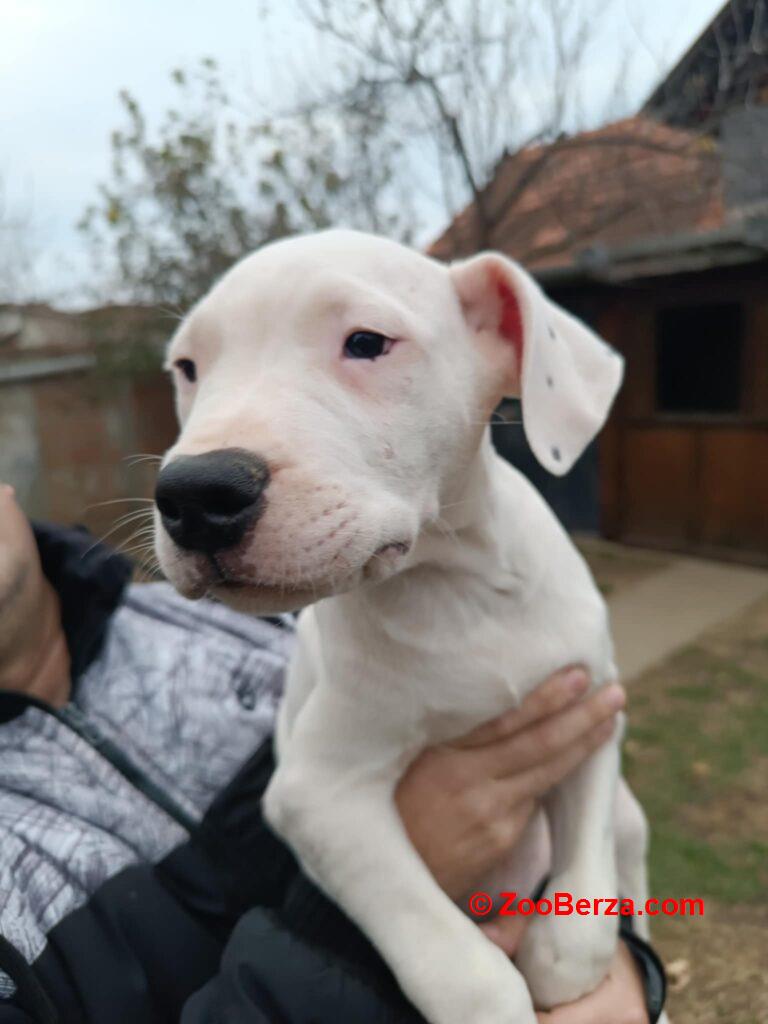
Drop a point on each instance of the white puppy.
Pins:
(334, 392)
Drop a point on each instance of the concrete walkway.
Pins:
(668, 609)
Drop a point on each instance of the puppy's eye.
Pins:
(188, 368)
(366, 345)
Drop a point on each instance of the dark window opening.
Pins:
(698, 358)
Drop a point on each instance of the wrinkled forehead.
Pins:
(377, 283)
(377, 262)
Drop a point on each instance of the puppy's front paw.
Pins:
(565, 958)
(467, 979)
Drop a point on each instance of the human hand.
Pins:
(466, 803)
(34, 658)
(17, 546)
(620, 999)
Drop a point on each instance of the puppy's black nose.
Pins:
(208, 501)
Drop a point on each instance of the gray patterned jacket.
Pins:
(187, 691)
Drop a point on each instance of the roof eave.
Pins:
(686, 252)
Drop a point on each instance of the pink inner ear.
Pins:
(511, 320)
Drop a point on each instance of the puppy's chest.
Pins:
(500, 662)
(464, 652)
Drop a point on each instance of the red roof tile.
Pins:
(633, 179)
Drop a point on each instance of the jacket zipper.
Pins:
(72, 717)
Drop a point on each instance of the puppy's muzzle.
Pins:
(207, 502)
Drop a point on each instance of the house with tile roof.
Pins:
(654, 230)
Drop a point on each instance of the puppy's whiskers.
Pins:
(130, 517)
(142, 457)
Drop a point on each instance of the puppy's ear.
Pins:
(565, 376)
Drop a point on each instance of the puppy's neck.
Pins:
(468, 497)
(467, 529)
(476, 536)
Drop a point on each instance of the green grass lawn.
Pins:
(697, 757)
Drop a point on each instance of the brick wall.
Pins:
(66, 444)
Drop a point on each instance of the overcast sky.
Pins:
(62, 63)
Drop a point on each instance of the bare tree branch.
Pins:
(19, 251)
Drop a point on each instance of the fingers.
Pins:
(505, 932)
(618, 1000)
(566, 735)
(554, 694)
(536, 781)
(599, 1007)
(545, 757)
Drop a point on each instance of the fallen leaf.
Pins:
(678, 974)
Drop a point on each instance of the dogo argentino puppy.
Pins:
(334, 392)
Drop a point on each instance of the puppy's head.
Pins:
(332, 391)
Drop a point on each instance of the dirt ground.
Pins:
(697, 756)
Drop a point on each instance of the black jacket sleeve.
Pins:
(30, 1004)
(304, 963)
(13, 1015)
(651, 969)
